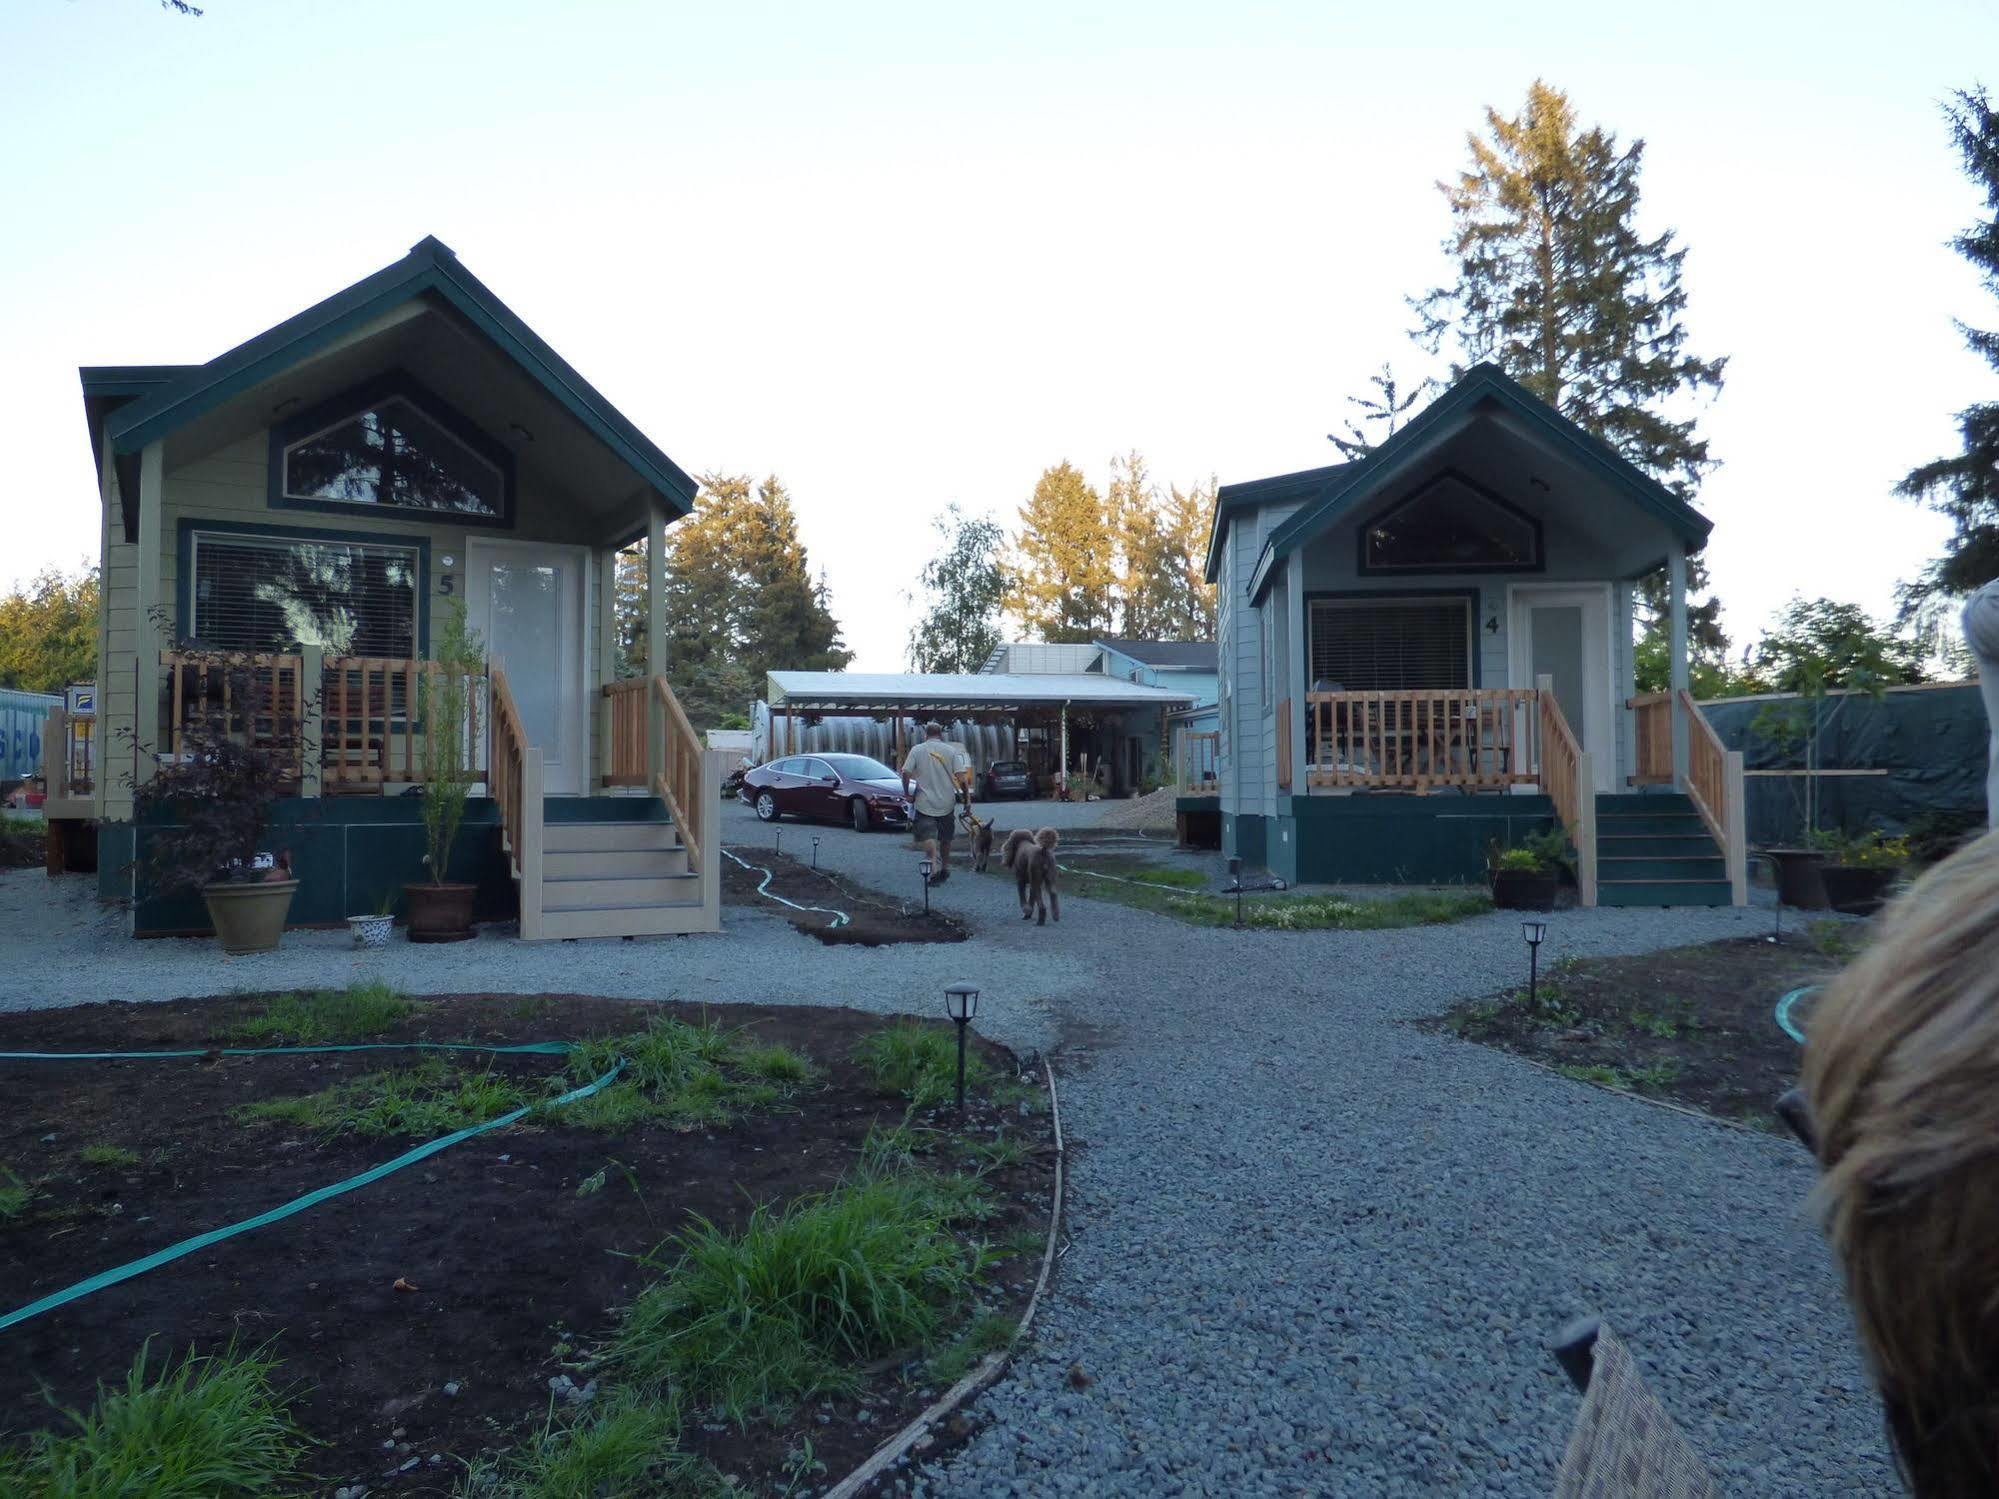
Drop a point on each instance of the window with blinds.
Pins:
(1388, 645)
(268, 593)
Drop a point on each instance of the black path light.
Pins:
(961, 1003)
(924, 869)
(1777, 905)
(777, 840)
(815, 850)
(1235, 884)
(1536, 932)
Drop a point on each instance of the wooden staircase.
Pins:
(1654, 849)
(624, 878)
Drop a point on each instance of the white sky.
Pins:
(904, 254)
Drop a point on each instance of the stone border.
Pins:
(989, 1368)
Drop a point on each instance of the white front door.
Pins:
(526, 600)
(1564, 633)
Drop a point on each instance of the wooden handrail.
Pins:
(678, 781)
(1196, 755)
(513, 780)
(1714, 786)
(1568, 776)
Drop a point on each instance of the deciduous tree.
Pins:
(966, 589)
(48, 631)
(1189, 514)
(1822, 644)
(1148, 570)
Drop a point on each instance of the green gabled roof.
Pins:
(1332, 491)
(1253, 492)
(430, 268)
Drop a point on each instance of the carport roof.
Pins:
(970, 692)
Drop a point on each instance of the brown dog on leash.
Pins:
(982, 843)
(1031, 857)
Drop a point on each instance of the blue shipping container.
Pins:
(22, 715)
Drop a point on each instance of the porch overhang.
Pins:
(1516, 445)
(426, 316)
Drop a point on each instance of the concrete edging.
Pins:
(990, 1367)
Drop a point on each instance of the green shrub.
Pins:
(918, 1062)
(322, 1017)
(208, 1428)
(108, 1157)
(427, 1100)
(624, 1446)
(15, 1195)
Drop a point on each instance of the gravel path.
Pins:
(1312, 1250)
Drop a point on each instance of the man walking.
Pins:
(932, 778)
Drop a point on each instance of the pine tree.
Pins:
(966, 588)
(1385, 410)
(1556, 286)
(1965, 486)
(1189, 514)
(48, 630)
(1147, 572)
(1062, 577)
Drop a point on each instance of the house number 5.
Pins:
(447, 584)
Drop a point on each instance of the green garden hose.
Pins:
(1784, 1011)
(173, 1252)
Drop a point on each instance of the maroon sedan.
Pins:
(855, 789)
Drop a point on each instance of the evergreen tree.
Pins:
(48, 631)
(1821, 644)
(1189, 515)
(1965, 486)
(1557, 287)
(1385, 409)
(1062, 577)
(1147, 572)
(966, 588)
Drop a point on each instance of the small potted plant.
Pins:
(440, 909)
(1859, 871)
(373, 929)
(1527, 876)
(203, 812)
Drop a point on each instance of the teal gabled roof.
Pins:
(430, 269)
(1331, 492)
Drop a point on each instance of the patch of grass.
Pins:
(624, 1445)
(775, 1063)
(998, 1153)
(919, 1062)
(320, 1017)
(989, 1332)
(1022, 1241)
(15, 1195)
(750, 1322)
(429, 1099)
(207, 1428)
(108, 1157)
(1650, 1079)
(1838, 940)
(1664, 1027)
(1138, 870)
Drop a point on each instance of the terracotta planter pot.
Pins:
(249, 916)
(1798, 877)
(1855, 890)
(1524, 889)
(440, 913)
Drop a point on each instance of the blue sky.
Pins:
(906, 254)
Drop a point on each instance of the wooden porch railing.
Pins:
(678, 782)
(69, 757)
(1652, 735)
(261, 698)
(513, 778)
(625, 735)
(1284, 743)
(1474, 737)
(1714, 786)
(1196, 754)
(1569, 778)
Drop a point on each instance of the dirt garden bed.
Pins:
(418, 1321)
(875, 919)
(1693, 1025)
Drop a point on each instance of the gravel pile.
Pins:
(1153, 810)
(1313, 1250)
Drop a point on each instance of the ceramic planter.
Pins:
(249, 915)
(440, 913)
(1798, 877)
(371, 931)
(1524, 889)
(1855, 889)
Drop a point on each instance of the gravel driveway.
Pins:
(1311, 1249)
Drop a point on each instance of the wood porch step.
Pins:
(626, 921)
(612, 863)
(627, 892)
(564, 837)
(1663, 893)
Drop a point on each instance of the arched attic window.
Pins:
(390, 446)
(1451, 525)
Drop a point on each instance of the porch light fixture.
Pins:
(961, 1003)
(924, 869)
(1536, 932)
(1235, 884)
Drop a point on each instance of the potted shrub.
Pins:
(214, 798)
(373, 929)
(440, 909)
(1859, 871)
(1527, 876)
(1800, 876)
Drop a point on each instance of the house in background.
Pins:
(313, 498)
(1181, 666)
(1429, 651)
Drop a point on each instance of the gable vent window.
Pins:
(1451, 525)
(392, 454)
(1390, 645)
(257, 593)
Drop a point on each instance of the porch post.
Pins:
(1676, 582)
(1300, 661)
(146, 697)
(655, 635)
(598, 718)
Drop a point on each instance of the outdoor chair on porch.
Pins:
(1624, 1445)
